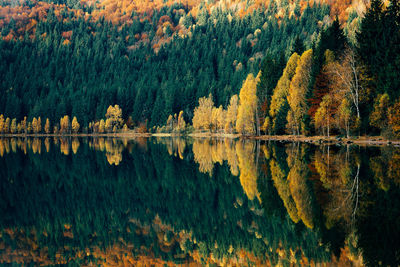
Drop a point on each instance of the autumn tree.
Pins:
(202, 114)
(324, 115)
(231, 114)
(75, 125)
(275, 123)
(322, 85)
(47, 126)
(39, 125)
(181, 126)
(29, 128)
(245, 123)
(343, 116)
(114, 115)
(24, 125)
(345, 78)
(297, 96)
(102, 126)
(394, 118)
(2, 123)
(65, 125)
(13, 127)
(218, 118)
(34, 125)
(6, 127)
(379, 116)
(108, 126)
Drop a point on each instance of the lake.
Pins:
(157, 201)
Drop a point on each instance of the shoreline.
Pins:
(319, 140)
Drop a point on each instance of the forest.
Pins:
(252, 68)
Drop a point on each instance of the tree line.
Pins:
(312, 80)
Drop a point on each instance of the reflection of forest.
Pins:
(167, 203)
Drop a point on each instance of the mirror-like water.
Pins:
(174, 201)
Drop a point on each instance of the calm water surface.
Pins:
(113, 202)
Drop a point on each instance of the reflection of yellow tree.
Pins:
(37, 145)
(175, 146)
(75, 145)
(248, 170)
(282, 186)
(336, 174)
(47, 144)
(386, 167)
(218, 152)
(209, 152)
(231, 157)
(113, 151)
(297, 178)
(13, 145)
(394, 166)
(2, 148)
(202, 155)
(64, 146)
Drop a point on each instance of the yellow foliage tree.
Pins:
(279, 105)
(29, 128)
(47, 126)
(343, 116)
(181, 122)
(217, 118)
(379, 116)
(24, 125)
(245, 122)
(102, 126)
(108, 125)
(75, 125)
(297, 94)
(34, 125)
(114, 114)
(6, 126)
(231, 114)
(13, 127)
(1, 123)
(324, 115)
(39, 125)
(64, 125)
(202, 114)
(394, 118)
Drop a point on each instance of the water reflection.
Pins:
(172, 201)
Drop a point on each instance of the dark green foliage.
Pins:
(379, 47)
(101, 67)
(271, 70)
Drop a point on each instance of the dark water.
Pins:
(89, 202)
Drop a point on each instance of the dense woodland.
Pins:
(278, 67)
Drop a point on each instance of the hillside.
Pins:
(156, 58)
